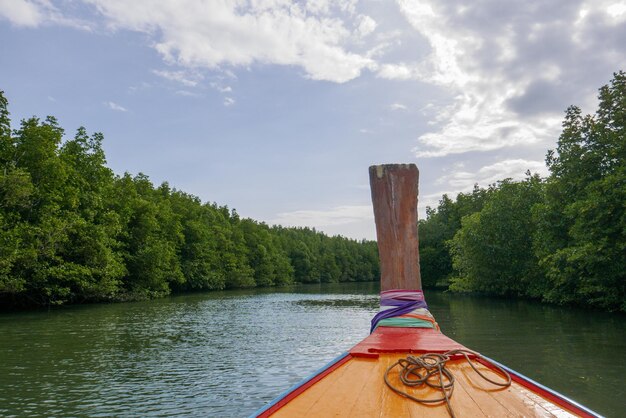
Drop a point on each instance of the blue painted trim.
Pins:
(547, 389)
(297, 385)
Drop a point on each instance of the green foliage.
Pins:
(71, 231)
(562, 240)
(317, 258)
(492, 251)
(439, 228)
(270, 262)
(581, 236)
(57, 244)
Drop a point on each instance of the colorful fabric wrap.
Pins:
(403, 308)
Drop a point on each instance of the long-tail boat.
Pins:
(407, 367)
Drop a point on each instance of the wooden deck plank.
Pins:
(555, 410)
(464, 402)
(493, 400)
(357, 389)
(460, 389)
(302, 405)
(416, 409)
(369, 399)
(362, 376)
(392, 404)
(332, 395)
(517, 399)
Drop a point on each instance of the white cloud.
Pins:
(186, 93)
(183, 77)
(483, 126)
(215, 34)
(512, 70)
(22, 12)
(34, 13)
(617, 10)
(365, 25)
(515, 169)
(461, 180)
(115, 106)
(508, 71)
(229, 101)
(397, 106)
(339, 215)
(399, 71)
(221, 88)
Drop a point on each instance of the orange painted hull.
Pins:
(353, 386)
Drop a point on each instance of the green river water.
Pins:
(229, 353)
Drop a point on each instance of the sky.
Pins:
(277, 108)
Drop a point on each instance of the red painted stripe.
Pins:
(404, 340)
(302, 388)
(563, 403)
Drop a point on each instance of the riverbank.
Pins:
(372, 286)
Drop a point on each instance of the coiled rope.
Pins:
(430, 369)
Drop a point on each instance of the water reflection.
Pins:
(362, 303)
(228, 353)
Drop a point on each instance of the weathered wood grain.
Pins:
(394, 197)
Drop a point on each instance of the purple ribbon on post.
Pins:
(404, 301)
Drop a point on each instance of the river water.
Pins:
(229, 353)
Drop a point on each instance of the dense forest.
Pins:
(561, 239)
(72, 231)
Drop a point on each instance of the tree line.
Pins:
(561, 239)
(72, 231)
